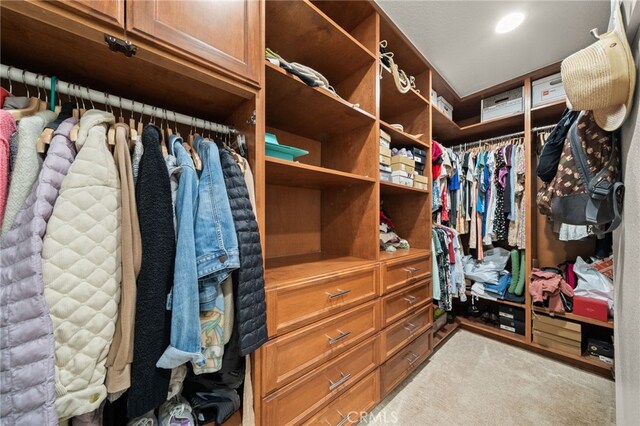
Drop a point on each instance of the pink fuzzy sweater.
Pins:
(7, 127)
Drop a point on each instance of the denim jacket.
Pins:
(185, 343)
(217, 253)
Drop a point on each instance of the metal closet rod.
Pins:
(498, 138)
(14, 74)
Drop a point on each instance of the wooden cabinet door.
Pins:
(109, 11)
(223, 33)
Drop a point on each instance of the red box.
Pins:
(592, 308)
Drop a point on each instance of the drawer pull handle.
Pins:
(338, 294)
(413, 359)
(411, 299)
(339, 337)
(410, 327)
(343, 378)
(343, 421)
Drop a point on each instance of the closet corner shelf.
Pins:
(574, 317)
(501, 301)
(548, 113)
(480, 327)
(290, 173)
(301, 267)
(447, 131)
(389, 188)
(392, 102)
(308, 111)
(301, 32)
(400, 253)
(444, 333)
(402, 139)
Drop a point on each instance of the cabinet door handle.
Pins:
(339, 337)
(411, 299)
(338, 294)
(413, 359)
(410, 327)
(343, 378)
(343, 421)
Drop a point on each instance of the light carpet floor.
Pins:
(474, 380)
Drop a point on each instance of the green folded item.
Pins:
(438, 313)
(515, 270)
(520, 287)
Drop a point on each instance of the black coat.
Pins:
(149, 385)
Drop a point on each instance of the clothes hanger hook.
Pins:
(120, 105)
(175, 121)
(9, 78)
(141, 111)
(89, 98)
(44, 87)
(24, 81)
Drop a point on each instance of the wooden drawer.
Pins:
(301, 398)
(352, 406)
(399, 304)
(288, 357)
(297, 304)
(399, 366)
(398, 274)
(402, 332)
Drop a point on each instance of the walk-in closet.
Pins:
(319, 212)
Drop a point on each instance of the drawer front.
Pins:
(290, 356)
(399, 334)
(299, 304)
(398, 274)
(352, 406)
(404, 362)
(301, 398)
(399, 304)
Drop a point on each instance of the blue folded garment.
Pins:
(499, 289)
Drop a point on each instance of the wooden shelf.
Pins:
(548, 114)
(389, 188)
(393, 103)
(402, 139)
(308, 111)
(289, 173)
(574, 317)
(447, 131)
(300, 32)
(444, 333)
(584, 358)
(288, 269)
(501, 301)
(400, 253)
(479, 326)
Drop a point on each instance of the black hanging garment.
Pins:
(150, 385)
(552, 149)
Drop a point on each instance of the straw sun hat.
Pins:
(602, 76)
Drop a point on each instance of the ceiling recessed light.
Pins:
(509, 22)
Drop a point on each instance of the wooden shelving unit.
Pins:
(490, 330)
(447, 132)
(403, 139)
(501, 301)
(548, 114)
(444, 333)
(574, 317)
(594, 363)
(400, 253)
(390, 188)
(289, 173)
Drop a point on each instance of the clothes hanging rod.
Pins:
(14, 74)
(542, 128)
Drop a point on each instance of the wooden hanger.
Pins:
(133, 133)
(34, 104)
(111, 131)
(163, 145)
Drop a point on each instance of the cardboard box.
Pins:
(419, 185)
(514, 326)
(385, 139)
(402, 163)
(445, 107)
(386, 152)
(557, 327)
(503, 104)
(385, 168)
(549, 343)
(402, 178)
(402, 167)
(591, 308)
(384, 160)
(559, 339)
(385, 176)
(511, 312)
(547, 90)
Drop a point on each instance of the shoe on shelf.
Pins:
(148, 419)
(176, 412)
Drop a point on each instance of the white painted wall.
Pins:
(627, 254)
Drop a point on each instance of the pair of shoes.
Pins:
(176, 412)
(148, 419)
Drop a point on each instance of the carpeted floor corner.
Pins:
(474, 380)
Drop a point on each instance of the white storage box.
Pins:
(402, 178)
(503, 105)
(385, 176)
(385, 139)
(445, 107)
(547, 90)
(434, 97)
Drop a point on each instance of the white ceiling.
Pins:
(458, 37)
